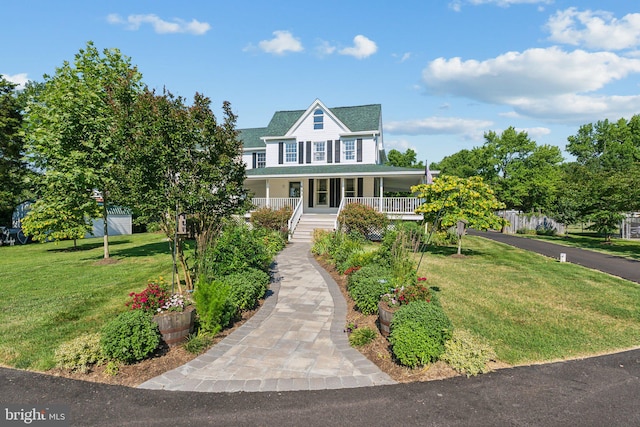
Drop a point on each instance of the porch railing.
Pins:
(276, 202)
(388, 205)
(295, 217)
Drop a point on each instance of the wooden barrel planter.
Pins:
(175, 326)
(385, 315)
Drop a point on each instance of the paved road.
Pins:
(601, 391)
(622, 267)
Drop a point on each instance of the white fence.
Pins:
(519, 221)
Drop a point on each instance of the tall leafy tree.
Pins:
(451, 199)
(408, 159)
(79, 122)
(13, 169)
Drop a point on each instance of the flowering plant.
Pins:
(405, 294)
(156, 298)
(350, 270)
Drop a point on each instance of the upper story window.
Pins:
(349, 149)
(319, 152)
(318, 119)
(261, 160)
(291, 152)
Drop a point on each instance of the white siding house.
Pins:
(321, 156)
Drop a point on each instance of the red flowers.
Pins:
(151, 299)
(350, 270)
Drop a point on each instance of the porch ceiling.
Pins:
(337, 171)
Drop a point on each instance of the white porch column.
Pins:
(341, 188)
(381, 193)
(267, 194)
(302, 193)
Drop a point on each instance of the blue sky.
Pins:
(444, 71)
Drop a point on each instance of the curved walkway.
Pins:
(294, 342)
(625, 268)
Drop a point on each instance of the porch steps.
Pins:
(309, 222)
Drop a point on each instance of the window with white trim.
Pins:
(349, 149)
(319, 151)
(318, 119)
(349, 187)
(291, 152)
(261, 160)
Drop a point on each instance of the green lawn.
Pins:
(619, 247)
(52, 293)
(531, 308)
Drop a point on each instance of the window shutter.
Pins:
(300, 152)
(308, 151)
(255, 160)
(329, 152)
(360, 187)
(336, 158)
(311, 192)
(280, 153)
(359, 152)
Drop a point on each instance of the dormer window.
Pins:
(318, 119)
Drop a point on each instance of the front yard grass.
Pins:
(531, 308)
(52, 293)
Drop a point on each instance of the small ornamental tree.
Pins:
(451, 199)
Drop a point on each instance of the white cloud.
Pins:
(325, 48)
(536, 82)
(282, 43)
(467, 128)
(19, 79)
(535, 132)
(362, 48)
(160, 26)
(594, 29)
(399, 144)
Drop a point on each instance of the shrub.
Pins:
(546, 230)
(367, 285)
(235, 249)
(361, 219)
(395, 249)
(466, 354)
(413, 232)
(214, 305)
(525, 231)
(362, 336)
(80, 354)
(130, 337)
(273, 241)
(272, 219)
(247, 287)
(419, 331)
(341, 248)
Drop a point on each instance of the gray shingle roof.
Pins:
(251, 137)
(358, 119)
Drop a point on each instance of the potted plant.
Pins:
(396, 297)
(173, 313)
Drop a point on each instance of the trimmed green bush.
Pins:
(214, 305)
(80, 354)
(419, 331)
(367, 285)
(362, 336)
(247, 287)
(362, 219)
(467, 354)
(341, 248)
(130, 337)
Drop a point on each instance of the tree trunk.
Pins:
(105, 238)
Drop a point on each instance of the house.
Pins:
(317, 160)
